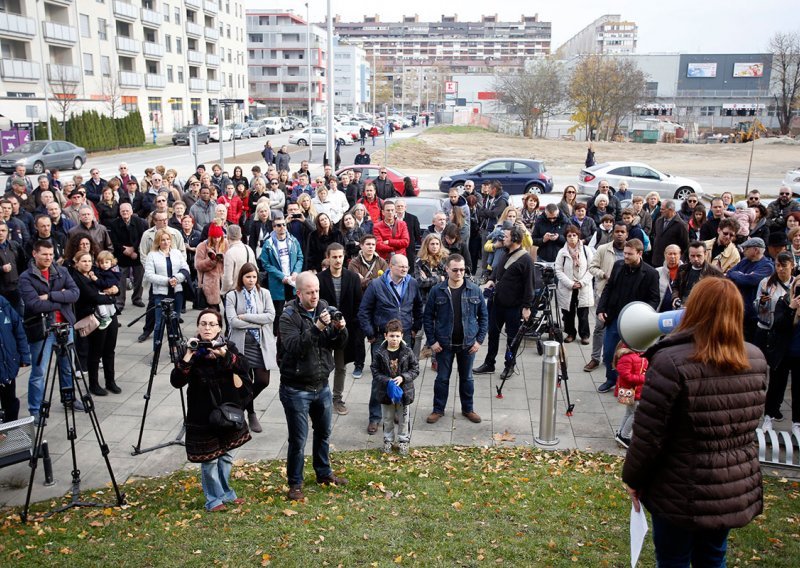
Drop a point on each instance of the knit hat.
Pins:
(754, 242)
(215, 232)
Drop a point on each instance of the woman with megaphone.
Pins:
(693, 458)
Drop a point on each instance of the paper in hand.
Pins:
(638, 531)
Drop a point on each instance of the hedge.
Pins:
(96, 132)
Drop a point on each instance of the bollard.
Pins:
(547, 410)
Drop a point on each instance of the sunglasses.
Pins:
(728, 234)
(279, 224)
(691, 201)
(383, 173)
(784, 194)
(458, 270)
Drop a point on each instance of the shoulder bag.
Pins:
(85, 326)
(226, 416)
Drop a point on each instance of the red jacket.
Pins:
(397, 244)
(235, 207)
(374, 208)
(631, 367)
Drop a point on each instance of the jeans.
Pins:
(298, 406)
(610, 340)
(214, 477)
(678, 547)
(157, 298)
(626, 426)
(499, 317)
(390, 411)
(40, 357)
(339, 373)
(597, 338)
(374, 401)
(466, 386)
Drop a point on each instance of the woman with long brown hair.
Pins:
(693, 458)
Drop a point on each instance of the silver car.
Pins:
(641, 179)
(792, 181)
(41, 155)
(257, 128)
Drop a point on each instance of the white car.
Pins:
(213, 133)
(792, 180)
(318, 136)
(641, 179)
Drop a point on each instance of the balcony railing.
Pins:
(130, 79)
(194, 57)
(19, 70)
(212, 60)
(196, 84)
(62, 2)
(17, 26)
(196, 4)
(214, 86)
(125, 11)
(63, 74)
(212, 34)
(211, 7)
(153, 81)
(128, 45)
(59, 33)
(702, 93)
(151, 17)
(193, 29)
(151, 49)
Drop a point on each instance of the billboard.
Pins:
(701, 70)
(748, 69)
(450, 87)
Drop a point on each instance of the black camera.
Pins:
(197, 344)
(336, 315)
(296, 216)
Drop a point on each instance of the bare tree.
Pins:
(534, 95)
(785, 48)
(112, 94)
(64, 88)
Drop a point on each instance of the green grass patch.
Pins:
(454, 130)
(448, 506)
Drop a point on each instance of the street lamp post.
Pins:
(330, 148)
(45, 58)
(308, 72)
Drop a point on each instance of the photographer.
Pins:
(216, 373)
(309, 336)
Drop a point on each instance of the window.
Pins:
(84, 20)
(88, 64)
(102, 32)
(707, 111)
(177, 15)
(105, 65)
(180, 75)
(179, 45)
(170, 77)
(228, 30)
(166, 9)
(177, 104)
(168, 43)
(130, 104)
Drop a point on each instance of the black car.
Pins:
(182, 135)
(517, 175)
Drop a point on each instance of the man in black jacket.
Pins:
(308, 338)
(384, 187)
(669, 229)
(12, 264)
(44, 232)
(362, 158)
(548, 233)
(126, 235)
(631, 280)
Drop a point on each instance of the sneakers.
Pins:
(767, 424)
(433, 418)
(484, 369)
(387, 446)
(358, 372)
(340, 407)
(332, 480)
(622, 441)
(607, 386)
(403, 448)
(472, 416)
(296, 493)
(591, 366)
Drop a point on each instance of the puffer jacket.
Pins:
(14, 349)
(693, 455)
(408, 368)
(631, 367)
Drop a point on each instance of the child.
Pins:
(746, 217)
(493, 246)
(394, 361)
(605, 232)
(104, 277)
(631, 367)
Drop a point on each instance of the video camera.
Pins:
(544, 273)
(336, 315)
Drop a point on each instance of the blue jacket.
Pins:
(438, 315)
(61, 292)
(747, 275)
(14, 349)
(272, 264)
(379, 305)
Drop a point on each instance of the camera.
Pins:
(296, 216)
(547, 271)
(197, 344)
(336, 315)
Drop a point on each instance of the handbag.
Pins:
(35, 327)
(85, 326)
(226, 416)
(626, 396)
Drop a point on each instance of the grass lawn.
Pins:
(448, 506)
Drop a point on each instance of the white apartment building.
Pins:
(607, 35)
(171, 60)
(351, 79)
(280, 45)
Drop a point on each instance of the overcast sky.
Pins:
(685, 26)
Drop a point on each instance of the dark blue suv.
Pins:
(517, 176)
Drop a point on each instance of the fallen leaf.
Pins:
(289, 512)
(506, 436)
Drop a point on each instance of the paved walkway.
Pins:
(514, 418)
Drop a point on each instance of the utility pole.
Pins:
(308, 72)
(330, 148)
(45, 58)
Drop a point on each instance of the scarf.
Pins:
(575, 254)
(250, 308)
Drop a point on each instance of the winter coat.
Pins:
(368, 270)
(566, 275)
(628, 284)
(380, 304)
(747, 275)
(155, 271)
(397, 243)
(11, 253)
(282, 160)
(374, 208)
(209, 273)
(547, 251)
(60, 289)
(693, 455)
(428, 276)
(127, 235)
(631, 368)
(681, 281)
(317, 247)
(98, 233)
(262, 320)
(90, 295)
(349, 300)
(235, 207)
(271, 262)
(202, 212)
(407, 367)
(237, 255)
(725, 260)
(14, 349)
(601, 265)
(675, 233)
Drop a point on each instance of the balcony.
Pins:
(130, 79)
(17, 27)
(59, 33)
(196, 4)
(128, 45)
(153, 81)
(194, 30)
(59, 74)
(61, 2)
(212, 60)
(151, 17)
(214, 86)
(194, 57)
(19, 70)
(151, 49)
(196, 84)
(211, 7)
(125, 11)
(212, 34)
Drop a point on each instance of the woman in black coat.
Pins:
(214, 375)
(317, 242)
(101, 343)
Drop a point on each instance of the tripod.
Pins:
(63, 347)
(170, 322)
(545, 319)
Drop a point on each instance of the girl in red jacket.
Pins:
(631, 367)
(234, 203)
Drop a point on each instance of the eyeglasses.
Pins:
(784, 194)
(274, 183)
(161, 200)
(728, 234)
(691, 201)
(458, 270)
(208, 324)
(383, 173)
(568, 192)
(752, 198)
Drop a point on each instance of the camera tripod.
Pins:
(545, 319)
(63, 347)
(169, 322)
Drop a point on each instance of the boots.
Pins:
(96, 389)
(113, 387)
(252, 420)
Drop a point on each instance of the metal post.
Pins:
(221, 124)
(45, 58)
(547, 409)
(308, 70)
(330, 145)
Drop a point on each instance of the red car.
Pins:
(370, 173)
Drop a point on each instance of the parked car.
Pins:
(516, 174)
(240, 130)
(792, 180)
(641, 179)
(273, 124)
(370, 173)
(257, 128)
(181, 135)
(213, 133)
(318, 136)
(296, 122)
(40, 155)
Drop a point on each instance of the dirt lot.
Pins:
(442, 151)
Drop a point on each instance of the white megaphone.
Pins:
(640, 326)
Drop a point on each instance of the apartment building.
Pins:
(170, 60)
(607, 35)
(351, 79)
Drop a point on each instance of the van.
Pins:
(274, 125)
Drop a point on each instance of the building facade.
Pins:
(170, 60)
(607, 35)
(351, 79)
